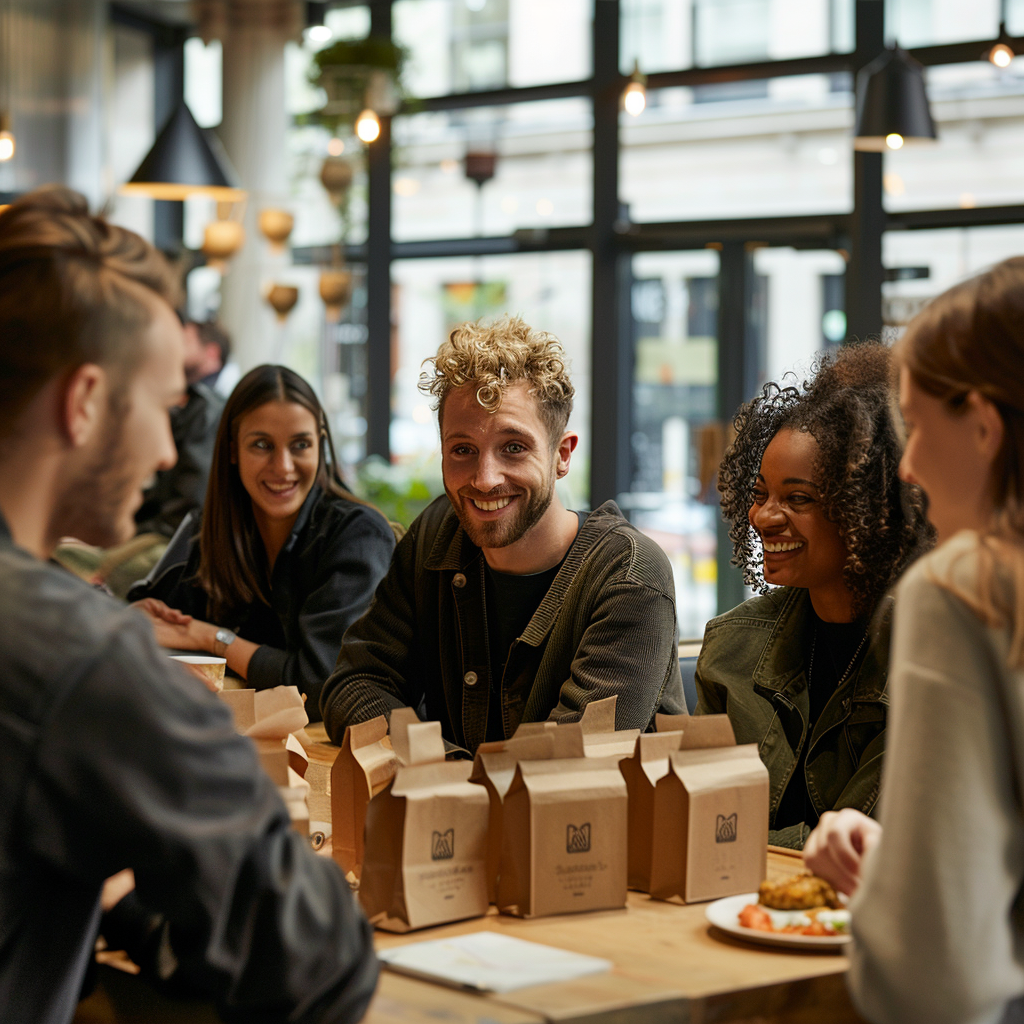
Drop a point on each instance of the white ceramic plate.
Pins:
(724, 914)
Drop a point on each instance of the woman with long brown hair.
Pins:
(285, 557)
(939, 935)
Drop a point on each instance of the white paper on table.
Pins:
(490, 962)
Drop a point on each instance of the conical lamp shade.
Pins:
(891, 100)
(185, 161)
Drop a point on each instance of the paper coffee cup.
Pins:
(205, 667)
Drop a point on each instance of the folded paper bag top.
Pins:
(564, 842)
(415, 742)
(600, 737)
(649, 763)
(426, 843)
(366, 764)
(494, 767)
(698, 812)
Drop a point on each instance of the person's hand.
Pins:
(115, 888)
(836, 849)
(158, 611)
(177, 636)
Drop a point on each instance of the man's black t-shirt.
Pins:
(511, 601)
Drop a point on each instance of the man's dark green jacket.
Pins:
(751, 667)
(607, 626)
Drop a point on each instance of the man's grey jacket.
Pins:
(606, 626)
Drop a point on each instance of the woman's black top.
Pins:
(323, 580)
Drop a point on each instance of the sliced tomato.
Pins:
(753, 916)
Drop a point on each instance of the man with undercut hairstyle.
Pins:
(501, 606)
(115, 764)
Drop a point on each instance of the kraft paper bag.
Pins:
(600, 737)
(426, 848)
(269, 717)
(243, 707)
(494, 767)
(279, 711)
(564, 845)
(725, 805)
(676, 723)
(710, 826)
(366, 764)
(649, 763)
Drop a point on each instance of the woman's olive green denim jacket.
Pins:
(751, 667)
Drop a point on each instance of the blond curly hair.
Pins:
(495, 356)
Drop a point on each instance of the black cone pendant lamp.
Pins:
(892, 104)
(185, 161)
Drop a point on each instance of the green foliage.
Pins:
(401, 492)
(368, 53)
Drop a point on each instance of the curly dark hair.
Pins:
(846, 406)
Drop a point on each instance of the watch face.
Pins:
(224, 636)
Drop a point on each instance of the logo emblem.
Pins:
(442, 846)
(577, 840)
(725, 829)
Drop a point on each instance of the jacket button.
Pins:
(459, 580)
(470, 678)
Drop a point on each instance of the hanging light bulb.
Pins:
(368, 125)
(892, 104)
(7, 143)
(317, 31)
(634, 99)
(1001, 54)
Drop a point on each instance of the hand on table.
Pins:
(836, 849)
(158, 611)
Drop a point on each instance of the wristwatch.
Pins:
(223, 638)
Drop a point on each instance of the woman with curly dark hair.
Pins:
(822, 526)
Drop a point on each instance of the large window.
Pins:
(540, 175)
(692, 153)
(675, 432)
(979, 157)
(471, 45)
(669, 35)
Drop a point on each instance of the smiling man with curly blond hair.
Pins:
(503, 606)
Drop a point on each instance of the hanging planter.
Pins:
(221, 240)
(335, 290)
(276, 226)
(282, 297)
(356, 74)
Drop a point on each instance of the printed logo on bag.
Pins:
(577, 840)
(725, 829)
(442, 846)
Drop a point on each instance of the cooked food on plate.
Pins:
(799, 892)
(801, 905)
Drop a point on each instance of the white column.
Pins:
(254, 133)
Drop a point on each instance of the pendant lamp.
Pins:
(185, 161)
(892, 104)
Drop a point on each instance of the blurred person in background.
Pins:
(939, 880)
(822, 526)
(114, 762)
(181, 489)
(284, 557)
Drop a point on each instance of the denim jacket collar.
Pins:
(782, 662)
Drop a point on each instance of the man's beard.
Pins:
(507, 530)
(92, 507)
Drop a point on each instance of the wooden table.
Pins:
(669, 966)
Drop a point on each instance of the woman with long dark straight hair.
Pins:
(285, 557)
